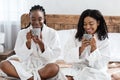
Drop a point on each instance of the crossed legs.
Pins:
(49, 71)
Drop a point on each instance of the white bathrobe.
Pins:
(31, 60)
(88, 66)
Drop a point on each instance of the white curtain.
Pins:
(10, 12)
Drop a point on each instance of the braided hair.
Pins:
(38, 7)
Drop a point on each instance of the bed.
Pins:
(68, 22)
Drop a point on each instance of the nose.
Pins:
(36, 22)
(87, 26)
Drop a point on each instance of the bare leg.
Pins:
(49, 71)
(69, 77)
(30, 78)
(116, 76)
(8, 68)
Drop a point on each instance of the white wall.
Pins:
(107, 7)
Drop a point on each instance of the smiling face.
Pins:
(90, 25)
(37, 18)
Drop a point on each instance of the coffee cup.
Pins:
(87, 36)
(36, 31)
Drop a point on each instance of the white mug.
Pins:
(87, 36)
(36, 31)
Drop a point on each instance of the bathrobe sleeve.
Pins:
(52, 45)
(21, 49)
(100, 57)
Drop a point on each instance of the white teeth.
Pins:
(89, 31)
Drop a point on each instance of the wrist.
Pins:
(81, 50)
(93, 48)
(41, 45)
(28, 44)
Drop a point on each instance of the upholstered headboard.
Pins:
(62, 22)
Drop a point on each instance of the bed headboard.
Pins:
(62, 22)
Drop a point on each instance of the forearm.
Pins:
(93, 48)
(81, 49)
(41, 45)
(28, 44)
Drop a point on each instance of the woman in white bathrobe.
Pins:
(35, 51)
(90, 43)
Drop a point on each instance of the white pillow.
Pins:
(115, 46)
(2, 37)
(1, 48)
(2, 40)
(64, 35)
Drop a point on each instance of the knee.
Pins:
(50, 70)
(115, 76)
(54, 68)
(69, 77)
(3, 64)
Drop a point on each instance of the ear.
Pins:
(98, 23)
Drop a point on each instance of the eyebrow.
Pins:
(38, 17)
(89, 21)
